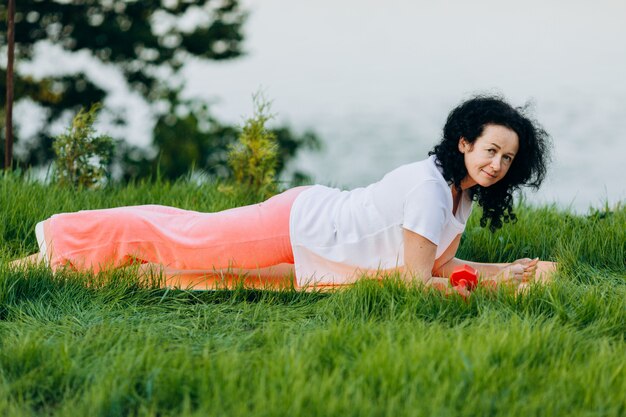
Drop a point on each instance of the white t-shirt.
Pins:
(335, 233)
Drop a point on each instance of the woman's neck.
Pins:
(456, 198)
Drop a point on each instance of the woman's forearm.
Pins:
(439, 283)
(485, 270)
(521, 270)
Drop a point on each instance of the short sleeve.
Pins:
(425, 210)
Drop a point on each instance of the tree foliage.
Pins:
(148, 41)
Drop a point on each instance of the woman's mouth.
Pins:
(488, 174)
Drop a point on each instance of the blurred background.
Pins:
(358, 87)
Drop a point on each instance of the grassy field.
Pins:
(106, 346)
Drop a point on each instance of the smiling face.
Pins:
(489, 158)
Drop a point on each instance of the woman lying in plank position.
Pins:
(409, 222)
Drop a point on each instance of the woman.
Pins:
(409, 222)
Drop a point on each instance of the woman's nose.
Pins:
(495, 163)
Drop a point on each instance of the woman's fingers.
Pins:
(529, 269)
(520, 270)
(447, 290)
(462, 291)
(516, 272)
(522, 261)
(526, 261)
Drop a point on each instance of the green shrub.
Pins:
(254, 157)
(82, 156)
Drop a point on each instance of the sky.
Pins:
(337, 53)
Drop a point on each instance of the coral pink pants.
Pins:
(249, 237)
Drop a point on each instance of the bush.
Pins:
(254, 157)
(82, 156)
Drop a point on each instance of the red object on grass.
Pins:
(464, 275)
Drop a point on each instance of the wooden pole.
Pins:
(8, 148)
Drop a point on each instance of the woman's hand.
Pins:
(442, 285)
(521, 270)
(530, 268)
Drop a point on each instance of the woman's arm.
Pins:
(524, 269)
(419, 257)
(419, 262)
(445, 264)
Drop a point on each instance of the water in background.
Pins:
(589, 147)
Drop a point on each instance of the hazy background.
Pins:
(376, 80)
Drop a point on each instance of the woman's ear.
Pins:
(464, 146)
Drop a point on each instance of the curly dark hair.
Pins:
(529, 165)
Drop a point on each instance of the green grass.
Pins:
(69, 347)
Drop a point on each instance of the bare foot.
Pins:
(28, 261)
(543, 275)
(545, 271)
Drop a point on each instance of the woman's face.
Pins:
(489, 158)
